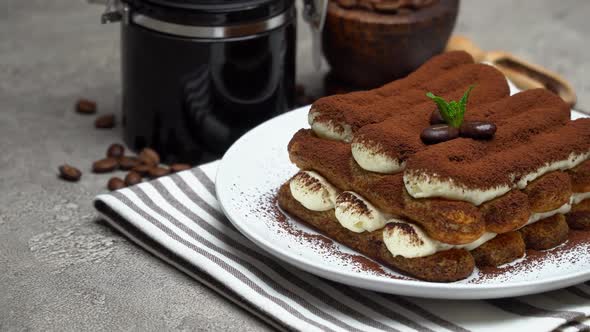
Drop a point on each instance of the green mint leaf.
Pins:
(453, 112)
(456, 114)
(463, 100)
(443, 106)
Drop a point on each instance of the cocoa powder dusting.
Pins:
(355, 204)
(408, 230)
(309, 181)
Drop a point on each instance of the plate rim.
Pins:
(489, 291)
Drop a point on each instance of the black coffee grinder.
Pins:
(197, 74)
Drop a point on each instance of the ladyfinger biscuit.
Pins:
(502, 249)
(579, 216)
(545, 234)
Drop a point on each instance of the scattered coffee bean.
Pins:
(436, 117)
(69, 173)
(179, 167)
(106, 121)
(157, 172)
(477, 129)
(143, 169)
(105, 165)
(115, 183)
(439, 133)
(85, 106)
(116, 151)
(132, 178)
(149, 157)
(126, 163)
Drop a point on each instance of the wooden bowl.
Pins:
(368, 48)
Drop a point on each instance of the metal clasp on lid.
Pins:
(115, 11)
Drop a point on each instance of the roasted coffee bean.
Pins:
(105, 165)
(126, 163)
(115, 183)
(85, 106)
(132, 178)
(116, 151)
(436, 117)
(439, 133)
(179, 167)
(69, 173)
(477, 129)
(143, 169)
(106, 121)
(149, 157)
(157, 172)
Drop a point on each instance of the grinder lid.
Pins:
(210, 12)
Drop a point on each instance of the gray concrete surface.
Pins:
(63, 269)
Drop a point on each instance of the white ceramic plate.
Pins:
(257, 164)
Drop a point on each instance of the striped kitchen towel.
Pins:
(178, 219)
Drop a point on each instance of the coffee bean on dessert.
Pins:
(116, 150)
(149, 157)
(439, 133)
(106, 121)
(85, 106)
(105, 165)
(115, 183)
(477, 129)
(132, 178)
(126, 163)
(179, 167)
(157, 172)
(142, 169)
(436, 117)
(69, 173)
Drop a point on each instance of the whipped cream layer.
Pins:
(423, 185)
(357, 214)
(565, 208)
(561, 165)
(374, 160)
(329, 129)
(313, 191)
(408, 240)
(577, 198)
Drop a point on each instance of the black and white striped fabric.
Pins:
(178, 219)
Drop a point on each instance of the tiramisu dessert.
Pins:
(442, 171)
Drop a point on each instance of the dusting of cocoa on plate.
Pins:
(578, 243)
